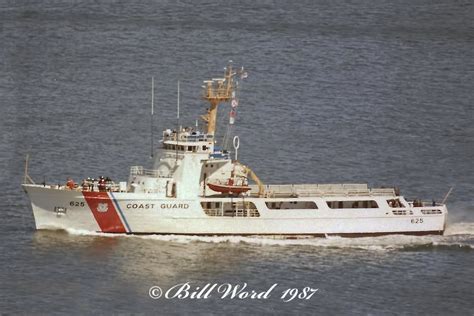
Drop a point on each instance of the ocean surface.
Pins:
(378, 92)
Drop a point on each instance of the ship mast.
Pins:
(216, 91)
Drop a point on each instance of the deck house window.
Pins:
(352, 204)
(292, 205)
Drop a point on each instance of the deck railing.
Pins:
(140, 171)
(294, 190)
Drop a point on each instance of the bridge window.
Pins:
(292, 205)
(352, 204)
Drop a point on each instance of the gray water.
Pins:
(338, 91)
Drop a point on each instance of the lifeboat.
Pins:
(228, 187)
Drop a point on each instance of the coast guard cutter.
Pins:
(195, 187)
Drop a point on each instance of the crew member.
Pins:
(90, 184)
(101, 184)
(108, 184)
(85, 185)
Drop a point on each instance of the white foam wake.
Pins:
(457, 235)
(83, 232)
(384, 243)
(462, 228)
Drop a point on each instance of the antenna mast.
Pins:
(152, 112)
(216, 91)
(232, 116)
(177, 124)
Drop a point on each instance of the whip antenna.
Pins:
(152, 112)
(447, 195)
(177, 125)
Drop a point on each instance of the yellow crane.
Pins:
(249, 172)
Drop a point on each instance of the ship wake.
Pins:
(458, 236)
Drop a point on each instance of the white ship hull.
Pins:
(142, 213)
